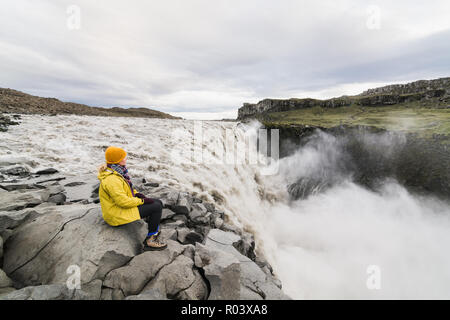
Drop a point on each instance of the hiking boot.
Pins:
(152, 243)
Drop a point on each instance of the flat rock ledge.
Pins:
(55, 245)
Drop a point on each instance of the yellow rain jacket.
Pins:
(117, 202)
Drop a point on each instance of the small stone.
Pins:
(218, 222)
(209, 206)
(74, 184)
(47, 171)
(17, 171)
(187, 236)
(167, 214)
(59, 198)
(151, 184)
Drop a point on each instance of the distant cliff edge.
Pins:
(422, 93)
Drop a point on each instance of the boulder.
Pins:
(20, 186)
(251, 276)
(74, 184)
(183, 205)
(170, 200)
(16, 171)
(180, 217)
(132, 278)
(59, 198)
(40, 251)
(47, 171)
(20, 199)
(246, 245)
(222, 271)
(217, 223)
(209, 206)
(12, 219)
(167, 214)
(199, 214)
(174, 224)
(198, 290)
(187, 236)
(151, 184)
(176, 280)
(1, 246)
(167, 234)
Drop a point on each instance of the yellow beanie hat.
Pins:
(114, 154)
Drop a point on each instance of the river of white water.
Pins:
(343, 242)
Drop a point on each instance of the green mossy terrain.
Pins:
(425, 121)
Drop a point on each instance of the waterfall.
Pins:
(321, 245)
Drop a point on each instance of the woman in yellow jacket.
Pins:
(121, 203)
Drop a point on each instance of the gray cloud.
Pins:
(210, 56)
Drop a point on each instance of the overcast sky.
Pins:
(204, 58)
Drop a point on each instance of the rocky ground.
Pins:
(50, 222)
(424, 93)
(8, 120)
(13, 101)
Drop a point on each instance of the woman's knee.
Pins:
(160, 205)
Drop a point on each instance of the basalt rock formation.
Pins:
(45, 243)
(433, 93)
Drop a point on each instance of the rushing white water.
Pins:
(320, 247)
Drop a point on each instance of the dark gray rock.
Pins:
(59, 198)
(246, 245)
(74, 184)
(180, 217)
(96, 188)
(16, 171)
(168, 234)
(217, 223)
(20, 199)
(167, 214)
(151, 184)
(198, 290)
(209, 206)
(41, 250)
(21, 186)
(183, 205)
(132, 278)
(251, 276)
(47, 171)
(176, 278)
(187, 236)
(170, 200)
(199, 214)
(222, 271)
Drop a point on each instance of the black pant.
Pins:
(151, 213)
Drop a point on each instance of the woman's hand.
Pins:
(139, 195)
(148, 200)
